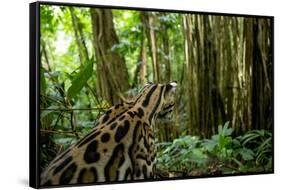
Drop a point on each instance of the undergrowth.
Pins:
(222, 154)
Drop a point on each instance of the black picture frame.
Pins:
(34, 83)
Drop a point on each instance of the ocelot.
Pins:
(121, 145)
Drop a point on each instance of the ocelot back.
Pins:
(120, 147)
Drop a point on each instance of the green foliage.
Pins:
(261, 143)
(183, 154)
(222, 153)
(80, 80)
(47, 16)
(221, 143)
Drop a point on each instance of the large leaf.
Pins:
(80, 80)
(227, 131)
(210, 145)
(247, 154)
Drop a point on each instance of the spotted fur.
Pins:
(121, 146)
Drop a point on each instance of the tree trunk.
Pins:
(142, 62)
(152, 35)
(79, 37)
(262, 96)
(166, 50)
(148, 20)
(111, 69)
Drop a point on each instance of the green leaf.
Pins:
(262, 156)
(247, 154)
(250, 137)
(197, 155)
(42, 81)
(227, 131)
(236, 142)
(226, 124)
(266, 144)
(53, 74)
(49, 110)
(210, 145)
(80, 80)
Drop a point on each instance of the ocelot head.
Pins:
(169, 101)
(128, 103)
(156, 99)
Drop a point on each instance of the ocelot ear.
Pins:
(171, 87)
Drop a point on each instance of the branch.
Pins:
(73, 109)
(73, 123)
(70, 133)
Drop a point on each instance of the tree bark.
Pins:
(141, 70)
(149, 23)
(112, 72)
(166, 50)
(79, 37)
